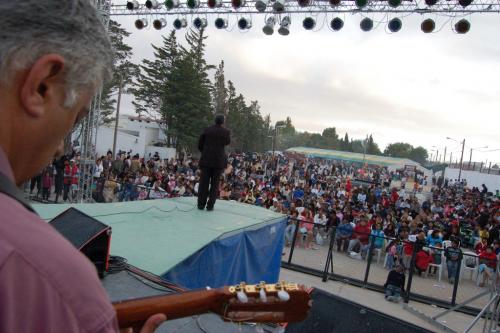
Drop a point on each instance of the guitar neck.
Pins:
(135, 312)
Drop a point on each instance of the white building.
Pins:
(138, 134)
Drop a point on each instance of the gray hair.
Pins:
(73, 29)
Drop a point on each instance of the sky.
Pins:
(400, 87)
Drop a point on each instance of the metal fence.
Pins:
(315, 250)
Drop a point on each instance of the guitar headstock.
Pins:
(277, 302)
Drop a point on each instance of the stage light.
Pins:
(180, 23)
(238, 3)
(261, 5)
(464, 3)
(431, 2)
(304, 3)
(284, 29)
(279, 6)
(132, 5)
(462, 26)
(361, 3)
(335, 3)
(141, 23)
(192, 4)
(309, 23)
(366, 24)
(214, 3)
(200, 22)
(394, 3)
(220, 23)
(152, 4)
(428, 25)
(336, 24)
(170, 4)
(269, 26)
(395, 25)
(159, 24)
(244, 23)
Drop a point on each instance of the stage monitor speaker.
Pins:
(88, 235)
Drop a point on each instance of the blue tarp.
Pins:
(251, 256)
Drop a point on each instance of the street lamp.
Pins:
(461, 155)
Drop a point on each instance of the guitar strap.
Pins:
(10, 189)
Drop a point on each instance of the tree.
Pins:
(220, 94)
(398, 149)
(418, 154)
(345, 144)
(150, 90)
(124, 72)
(372, 147)
(330, 138)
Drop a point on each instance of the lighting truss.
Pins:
(445, 7)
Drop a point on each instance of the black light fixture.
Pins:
(428, 25)
(394, 3)
(361, 3)
(336, 24)
(220, 23)
(238, 3)
(464, 3)
(244, 23)
(366, 24)
(304, 3)
(180, 23)
(152, 4)
(200, 22)
(159, 24)
(171, 4)
(395, 25)
(462, 26)
(309, 23)
(431, 3)
(335, 3)
(141, 23)
(132, 5)
(214, 3)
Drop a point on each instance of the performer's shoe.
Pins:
(210, 209)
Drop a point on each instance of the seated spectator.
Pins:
(422, 260)
(360, 238)
(434, 238)
(393, 254)
(377, 235)
(437, 255)
(453, 255)
(290, 228)
(487, 264)
(343, 235)
(395, 284)
(481, 246)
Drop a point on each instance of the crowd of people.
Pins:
(317, 194)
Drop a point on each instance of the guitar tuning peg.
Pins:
(263, 296)
(283, 295)
(259, 328)
(242, 297)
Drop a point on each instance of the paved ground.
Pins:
(347, 266)
(375, 300)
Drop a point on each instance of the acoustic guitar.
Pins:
(262, 303)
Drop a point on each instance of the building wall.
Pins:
(475, 178)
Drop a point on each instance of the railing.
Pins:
(370, 270)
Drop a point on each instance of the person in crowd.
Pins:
(434, 238)
(212, 162)
(395, 284)
(481, 246)
(46, 184)
(343, 235)
(453, 255)
(437, 257)
(487, 265)
(360, 238)
(422, 260)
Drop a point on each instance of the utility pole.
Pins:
(461, 160)
(437, 155)
(117, 114)
(470, 158)
(451, 155)
(444, 156)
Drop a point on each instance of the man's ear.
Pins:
(41, 83)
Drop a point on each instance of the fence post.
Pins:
(293, 240)
(410, 274)
(329, 257)
(369, 259)
(455, 284)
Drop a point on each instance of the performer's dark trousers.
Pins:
(209, 176)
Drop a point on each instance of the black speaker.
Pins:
(88, 235)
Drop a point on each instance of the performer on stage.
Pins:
(54, 56)
(212, 162)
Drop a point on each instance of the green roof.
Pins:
(156, 235)
(353, 157)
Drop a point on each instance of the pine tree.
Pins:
(123, 75)
(220, 94)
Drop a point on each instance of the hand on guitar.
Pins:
(149, 326)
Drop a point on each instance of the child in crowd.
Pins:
(395, 284)
(392, 254)
(46, 185)
(487, 264)
(453, 255)
(422, 260)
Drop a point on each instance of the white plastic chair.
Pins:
(446, 243)
(439, 267)
(379, 254)
(473, 270)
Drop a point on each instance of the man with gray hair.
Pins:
(54, 56)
